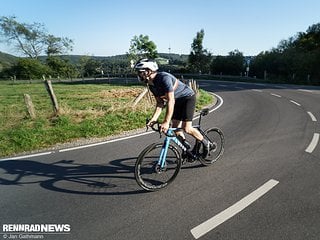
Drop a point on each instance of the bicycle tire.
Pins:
(215, 136)
(147, 173)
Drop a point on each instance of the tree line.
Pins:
(295, 60)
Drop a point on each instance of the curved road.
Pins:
(266, 185)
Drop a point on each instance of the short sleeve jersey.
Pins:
(166, 82)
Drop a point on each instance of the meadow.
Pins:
(86, 111)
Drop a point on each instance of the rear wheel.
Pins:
(149, 175)
(215, 136)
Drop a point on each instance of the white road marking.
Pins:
(305, 90)
(313, 118)
(31, 155)
(218, 106)
(223, 216)
(298, 104)
(313, 143)
(261, 84)
(257, 90)
(105, 142)
(276, 95)
(215, 108)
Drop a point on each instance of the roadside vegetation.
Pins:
(294, 61)
(87, 111)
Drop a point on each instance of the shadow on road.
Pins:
(68, 176)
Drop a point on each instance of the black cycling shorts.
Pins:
(184, 108)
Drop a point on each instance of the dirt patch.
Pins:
(121, 93)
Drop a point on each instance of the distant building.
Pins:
(162, 61)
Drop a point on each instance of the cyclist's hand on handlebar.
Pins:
(164, 127)
(151, 122)
(154, 124)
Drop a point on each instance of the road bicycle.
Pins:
(159, 163)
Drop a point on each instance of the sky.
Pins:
(106, 27)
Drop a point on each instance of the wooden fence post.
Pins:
(141, 95)
(30, 107)
(193, 85)
(53, 97)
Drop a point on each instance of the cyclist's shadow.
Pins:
(114, 178)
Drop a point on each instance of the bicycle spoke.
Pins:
(216, 138)
(150, 175)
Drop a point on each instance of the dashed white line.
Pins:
(261, 84)
(313, 143)
(298, 104)
(257, 90)
(313, 118)
(305, 90)
(223, 216)
(276, 95)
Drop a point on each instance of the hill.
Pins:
(120, 58)
(7, 60)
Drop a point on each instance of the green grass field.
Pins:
(87, 111)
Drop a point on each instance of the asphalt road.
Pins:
(265, 186)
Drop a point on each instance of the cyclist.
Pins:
(179, 99)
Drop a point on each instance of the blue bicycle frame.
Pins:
(170, 136)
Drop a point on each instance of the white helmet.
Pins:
(145, 63)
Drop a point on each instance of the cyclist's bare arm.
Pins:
(157, 111)
(169, 112)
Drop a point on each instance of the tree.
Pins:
(199, 58)
(57, 45)
(233, 64)
(32, 39)
(61, 67)
(89, 66)
(27, 37)
(295, 60)
(27, 68)
(142, 47)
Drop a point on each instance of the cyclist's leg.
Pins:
(207, 145)
(177, 117)
(189, 129)
(187, 112)
(178, 124)
(187, 124)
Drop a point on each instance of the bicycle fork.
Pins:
(163, 154)
(164, 151)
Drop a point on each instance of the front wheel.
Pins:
(149, 175)
(215, 136)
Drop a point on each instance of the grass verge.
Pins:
(87, 111)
